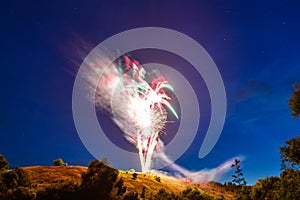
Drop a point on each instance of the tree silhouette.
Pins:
(3, 163)
(238, 176)
(10, 178)
(23, 179)
(294, 101)
(98, 181)
(290, 153)
(58, 162)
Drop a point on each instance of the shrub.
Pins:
(60, 191)
(58, 162)
(131, 196)
(157, 178)
(134, 176)
(143, 193)
(10, 179)
(23, 179)
(3, 163)
(23, 193)
(162, 194)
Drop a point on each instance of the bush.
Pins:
(23, 179)
(60, 191)
(157, 178)
(143, 193)
(23, 193)
(58, 162)
(162, 194)
(134, 176)
(290, 184)
(190, 193)
(266, 188)
(3, 163)
(10, 179)
(14, 178)
(131, 196)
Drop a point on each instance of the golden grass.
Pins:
(45, 176)
(171, 184)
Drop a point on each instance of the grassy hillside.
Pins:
(42, 177)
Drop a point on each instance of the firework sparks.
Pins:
(136, 100)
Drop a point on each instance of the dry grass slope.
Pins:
(44, 176)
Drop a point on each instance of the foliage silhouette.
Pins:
(3, 163)
(58, 162)
(98, 176)
(294, 101)
(290, 153)
(238, 176)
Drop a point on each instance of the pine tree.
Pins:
(238, 176)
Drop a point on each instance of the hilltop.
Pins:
(43, 177)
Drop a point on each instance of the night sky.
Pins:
(255, 46)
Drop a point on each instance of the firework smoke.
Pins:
(137, 102)
(195, 176)
(135, 99)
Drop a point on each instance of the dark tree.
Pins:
(3, 163)
(98, 181)
(290, 153)
(294, 101)
(15, 178)
(23, 193)
(10, 178)
(266, 188)
(289, 184)
(238, 176)
(60, 191)
(23, 179)
(58, 162)
(121, 189)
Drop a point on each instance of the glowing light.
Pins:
(137, 106)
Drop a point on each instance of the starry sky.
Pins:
(254, 44)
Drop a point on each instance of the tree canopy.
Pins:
(3, 163)
(294, 101)
(290, 153)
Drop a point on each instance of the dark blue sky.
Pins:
(255, 46)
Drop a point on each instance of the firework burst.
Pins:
(136, 100)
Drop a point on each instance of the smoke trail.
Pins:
(136, 101)
(197, 176)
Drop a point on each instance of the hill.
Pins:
(42, 177)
